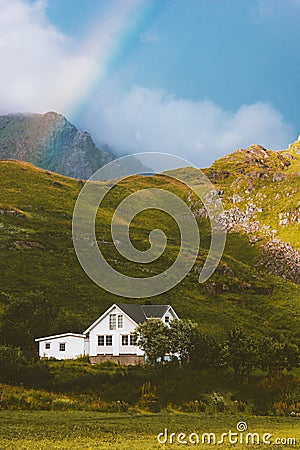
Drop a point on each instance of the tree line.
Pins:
(182, 340)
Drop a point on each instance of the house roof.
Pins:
(138, 313)
(55, 336)
(156, 311)
(134, 311)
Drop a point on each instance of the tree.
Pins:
(292, 353)
(26, 318)
(154, 338)
(276, 356)
(240, 352)
(12, 364)
(271, 355)
(183, 338)
(206, 352)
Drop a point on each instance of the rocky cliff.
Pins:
(50, 142)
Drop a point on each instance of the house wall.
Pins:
(74, 347)
(102, 328)
(170, 314)
(86, 346)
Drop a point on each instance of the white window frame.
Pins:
(47, 345)
(113, 321)
(125, 336)
(60, 345)
(108, 336)
(120, 318)
(132, 340)
(98, 339)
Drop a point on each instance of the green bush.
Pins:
(12, 397)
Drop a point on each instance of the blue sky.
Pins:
(198, 78)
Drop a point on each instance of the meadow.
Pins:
(49, 430)
(44, 291)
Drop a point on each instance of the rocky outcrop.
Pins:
(50, 142)
(287, 217)
(11, 212)
(213, 287)
(258, 156)
(27, 245)
(235, 219)
(282, 259)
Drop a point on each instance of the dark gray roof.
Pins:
(156, 311)
(133, 311)
(140, 313)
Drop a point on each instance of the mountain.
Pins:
(44, 290)
(51, 142)
(260, 190)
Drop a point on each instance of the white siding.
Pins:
(102, 329)
(74, 347)
(170, 314)
(86, 346)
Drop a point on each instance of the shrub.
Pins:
(20, 398)
(148, 400)
(64, 404)
(219, 402)
(286, 409)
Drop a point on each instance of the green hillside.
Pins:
(45, 291)
(267, 178)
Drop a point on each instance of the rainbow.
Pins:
(105, 47)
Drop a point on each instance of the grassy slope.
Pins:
(273, 197)
(46, 201)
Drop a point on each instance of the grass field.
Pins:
(85, 430)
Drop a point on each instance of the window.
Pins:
(62, 347)
(132, 340)
(104, 340)
(167, 319)
(47, 345)
(112, 322)
(100, 340)
(108, 340)
(120, 321)
(125, 340)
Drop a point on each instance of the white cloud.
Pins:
(42, 70)
(30, 52)
(149, 120)
(40, 67)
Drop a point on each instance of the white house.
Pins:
(109, 338)
(62, 346)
